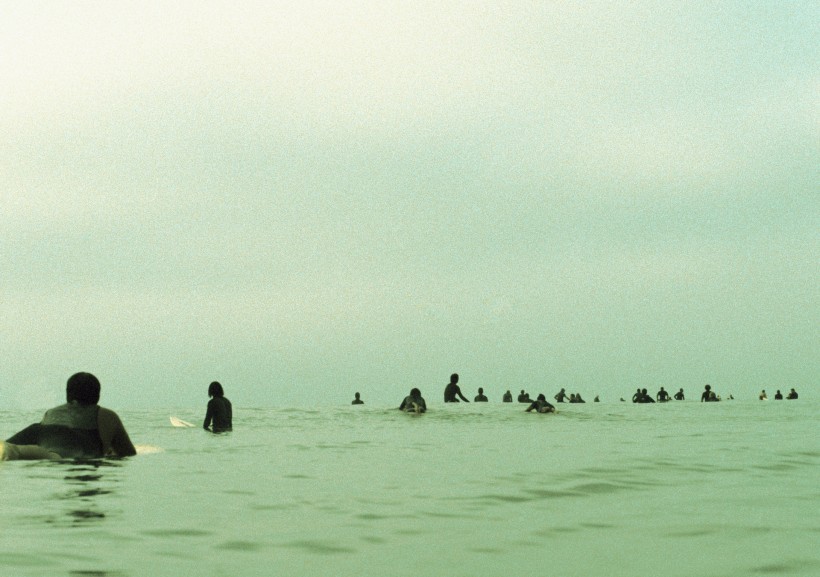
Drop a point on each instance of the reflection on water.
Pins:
(87, 485)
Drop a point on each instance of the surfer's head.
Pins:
(541, 397)
(454, 378)
(415, 393)
(215, 390)
(83, 388)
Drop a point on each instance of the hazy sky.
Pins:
(306, 199)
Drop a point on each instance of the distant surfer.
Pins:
(645, 397)
(792, 395)
(480, 397)
(524, 397)
(413, 403)
(662, 396)
(705, 396)
(357, 400)
(79, 429)
(778, 396)
(220, 411)
(561, 396)
(541, 405)
(507, 397)
(596, 399)
(637, 396)
(452, 392)
(679, 395)
(763, 396)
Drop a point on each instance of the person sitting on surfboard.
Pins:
(507, 397)
(679, 395)
(541, 405)
(452, 390)
(79, 429)
(357, 400)
(763, 396)
(778, 396)
(792, 395)
(704, 397)
(219, 410)
(413, 403)
(662, 396)
(524, 397)
(561, 396)
(481, 397)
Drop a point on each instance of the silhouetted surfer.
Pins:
(524, 397)
(481, 397)
(357, 400)
(219, 410)
(662, 396)
(413, 403)
(561, 396)
(541, 405)
(679, 395)
(507, 397)
(79, 429)
(707, 396)
(452, 390)
(778, 396)
(792, 395)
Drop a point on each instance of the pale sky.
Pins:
(307, 199)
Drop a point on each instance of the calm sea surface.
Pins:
(602, 489)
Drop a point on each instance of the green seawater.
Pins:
(610, 489)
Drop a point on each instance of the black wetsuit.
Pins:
(357, 402)
(481, 399)
(451, 391)
(541, 406)
(221, 413)
(407, 404)
(663, 396)
(792, 395)
(69, 430)
(507, 397)
(679, 396)
(561, 396)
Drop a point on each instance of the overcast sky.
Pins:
(306, 199)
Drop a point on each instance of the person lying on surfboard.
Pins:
(219, 411)
(79, 429)
(541, 405)
(413, 403)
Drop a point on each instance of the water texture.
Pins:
(681, 489)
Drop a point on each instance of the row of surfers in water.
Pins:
(452, 393)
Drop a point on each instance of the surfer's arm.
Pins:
(115, 439)
(209, 415)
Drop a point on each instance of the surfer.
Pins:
(662, 396)
(704, 397)
(452, 390)
(792, 395)
(636, 398)
(507, 397)
(763, 396)
(357, 400)
(561, 396)
(480, 398)
(541, 405)
(778, 396)
(79, 429)
(413, 402)
(679, 395)
(596, 399)
(524, 397)
(645, 398)
(220, 411)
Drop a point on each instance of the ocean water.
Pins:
(609, 489)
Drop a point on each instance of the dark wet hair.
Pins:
(415, 393)
(541, 397)
(215, 390)
(454, 378)
(83, 388)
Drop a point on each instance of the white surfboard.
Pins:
(177, 422)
